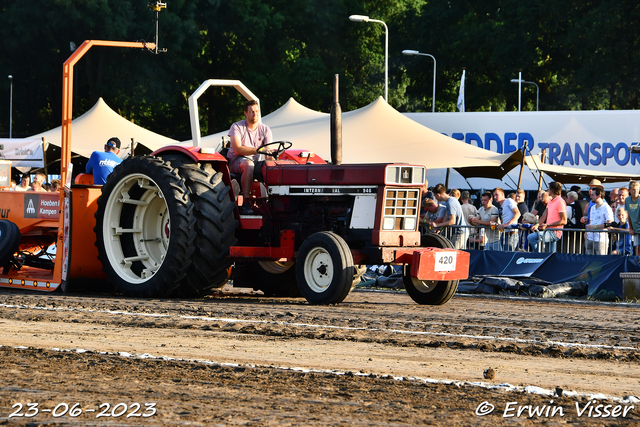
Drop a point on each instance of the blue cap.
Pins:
(114, 142)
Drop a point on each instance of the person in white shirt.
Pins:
(488, 216)
(509, 215)
(24, 184)
(600, 215)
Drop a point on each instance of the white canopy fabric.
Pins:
(90, 132)
(292, 112)
(376, 133)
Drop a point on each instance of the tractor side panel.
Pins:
(285, 173)
(84, 254)
(33, 212)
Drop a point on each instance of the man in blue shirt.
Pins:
(101, 164)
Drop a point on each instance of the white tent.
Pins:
(292, 112)
(90, 132)
(373, 134)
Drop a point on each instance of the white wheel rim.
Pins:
(150, 229)
(318, 270)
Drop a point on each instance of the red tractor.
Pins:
(169, 223)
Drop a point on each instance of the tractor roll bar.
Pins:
(67, 94)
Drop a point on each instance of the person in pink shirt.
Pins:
(246, 137)
(555, 216)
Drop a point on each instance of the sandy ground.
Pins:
(376, 359)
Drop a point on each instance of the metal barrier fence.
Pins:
(573, 241)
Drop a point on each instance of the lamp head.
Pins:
(410, 52)
(516, 81)
(359, 18)
(10, 77)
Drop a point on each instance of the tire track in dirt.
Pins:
(380, 334)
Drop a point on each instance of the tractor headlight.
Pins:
(409, 224)
(388, 222)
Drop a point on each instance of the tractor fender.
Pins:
(179, 156)
(197, 154)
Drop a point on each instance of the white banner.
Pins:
(594, 140)
(22, 152)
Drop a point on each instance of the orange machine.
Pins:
(45, 218)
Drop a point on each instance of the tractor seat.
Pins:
(84, 179)
(236, 178)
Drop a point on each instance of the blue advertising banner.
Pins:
(600, 271)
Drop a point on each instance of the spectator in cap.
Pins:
(101, 164)
(600, 217)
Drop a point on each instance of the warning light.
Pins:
(35, 283)
(48, 284)
(11, 281)
(22, 282)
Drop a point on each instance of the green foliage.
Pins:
(583, 55)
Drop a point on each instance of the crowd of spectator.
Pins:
(608, 224)
(39, 184)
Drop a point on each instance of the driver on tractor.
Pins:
(246, 137)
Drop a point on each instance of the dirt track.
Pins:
(376, 359)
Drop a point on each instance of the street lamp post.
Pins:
(10, 105)
(521, 82)
(363, 18)
(415, 52)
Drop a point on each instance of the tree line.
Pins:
(582, 54)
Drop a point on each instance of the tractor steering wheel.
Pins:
(282, 147)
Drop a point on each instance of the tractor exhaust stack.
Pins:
(336, 126)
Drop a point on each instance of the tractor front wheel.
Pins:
(324, 269)
(145, 228)
(430, 292)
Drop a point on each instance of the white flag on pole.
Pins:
(461, 96)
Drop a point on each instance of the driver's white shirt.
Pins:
(249, 138)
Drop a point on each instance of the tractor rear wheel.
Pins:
(9, 240)
(325, 269)
(430, 292)
(215, 228)
(145, 228)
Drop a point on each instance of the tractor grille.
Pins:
(401, 207)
